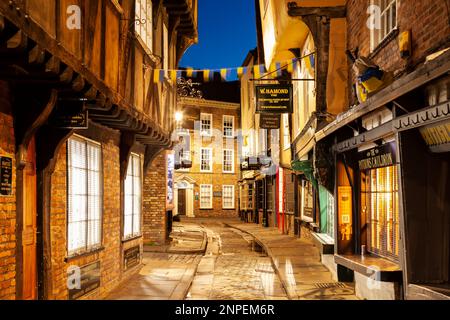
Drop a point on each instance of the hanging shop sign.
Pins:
(170, 180)
(274, 98)
(383, 156)
(437, 137)
(89, 280)
(6, 164)
(131, 257)
(71, 115)
(270, 121)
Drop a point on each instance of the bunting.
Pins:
(231, 74)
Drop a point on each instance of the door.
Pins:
(182, 202)
(29, 266)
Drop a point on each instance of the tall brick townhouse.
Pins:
(367, 147)
(208, 135)
(83, 134)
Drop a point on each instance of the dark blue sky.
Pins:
(227, 31)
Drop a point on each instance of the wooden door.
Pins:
(182, 202)
(29, 266)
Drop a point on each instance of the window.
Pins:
(206, 196)
(206, 160)
(228, 197)
(250, 197)
(165, 47)
(84, 193)
(385, 23)
(206, 120)
(228, 126)
(286, 134)
(228, 161)
(145, 30)
(133, 199)
(307, 201)
(380, 206)
(289, 198)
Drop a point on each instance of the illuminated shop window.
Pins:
(133, 192)
(380, 206)
(84, 195)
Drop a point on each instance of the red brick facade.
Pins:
(154, 202)
(8, 203)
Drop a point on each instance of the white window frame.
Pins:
(144, 11)
(208, 132)
(210, 160)
(228, 117)
(136, 213)
(88, 219)
(232, 160)
(210, 186)
(233, 206)
(377, 36)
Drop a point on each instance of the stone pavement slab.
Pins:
(297, 263)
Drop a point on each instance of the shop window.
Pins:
(228, 126)
(144, 13)
(289, 199)
(307, 201)
(385, 18)
(133, 199)
(228, 197)
(380, 207)
(228, 161)
(206, 160)
(206, 120)
(84, 195)
(206, 194)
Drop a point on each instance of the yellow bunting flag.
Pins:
(224, 74)
(190, 72)
(158, 75)
(206, 74)
(290, 66)
(173, 75)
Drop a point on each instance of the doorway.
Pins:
(182, 202)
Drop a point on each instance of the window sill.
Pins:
(206, 208)
(391, 36)
(371, 266)
(131, 239)
(83, 254)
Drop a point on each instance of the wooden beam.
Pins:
(127, 141)
(331, 12)
(2, 23)
(67, 75)
(36, 55)
(53, 65)
(78, 83)
(18, 41)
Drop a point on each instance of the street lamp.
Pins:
(178, 116)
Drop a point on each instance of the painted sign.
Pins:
(6, 164)
(71, 118)
(274, 98)
(131, 257)
(90, 280)
(383, 156)
(270, 121)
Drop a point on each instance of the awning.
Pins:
(306, 167)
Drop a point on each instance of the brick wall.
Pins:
(110, 256)
(428, 21)
(7, 204)
(154, 202)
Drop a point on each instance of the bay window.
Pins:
(84, 195)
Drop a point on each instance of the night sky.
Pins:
(227, 31)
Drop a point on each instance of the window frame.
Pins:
(233, 193)
(139, 234)
(148, 25)
(377, 33)
(210, 186)
(98, 246)
(202, 132)
(210, 160)
(232, 161)
(232, 126)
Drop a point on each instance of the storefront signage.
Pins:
(71, 119)
(437, 137)
(270, 121)
(6, 164)
(379, 157)
(131, 257)
(90, 280)
(274, 98)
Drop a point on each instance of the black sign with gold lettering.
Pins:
(5, 176)
(132, 257)
(274, 98)
(89, 280)
(269, 121)
(383, 156)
